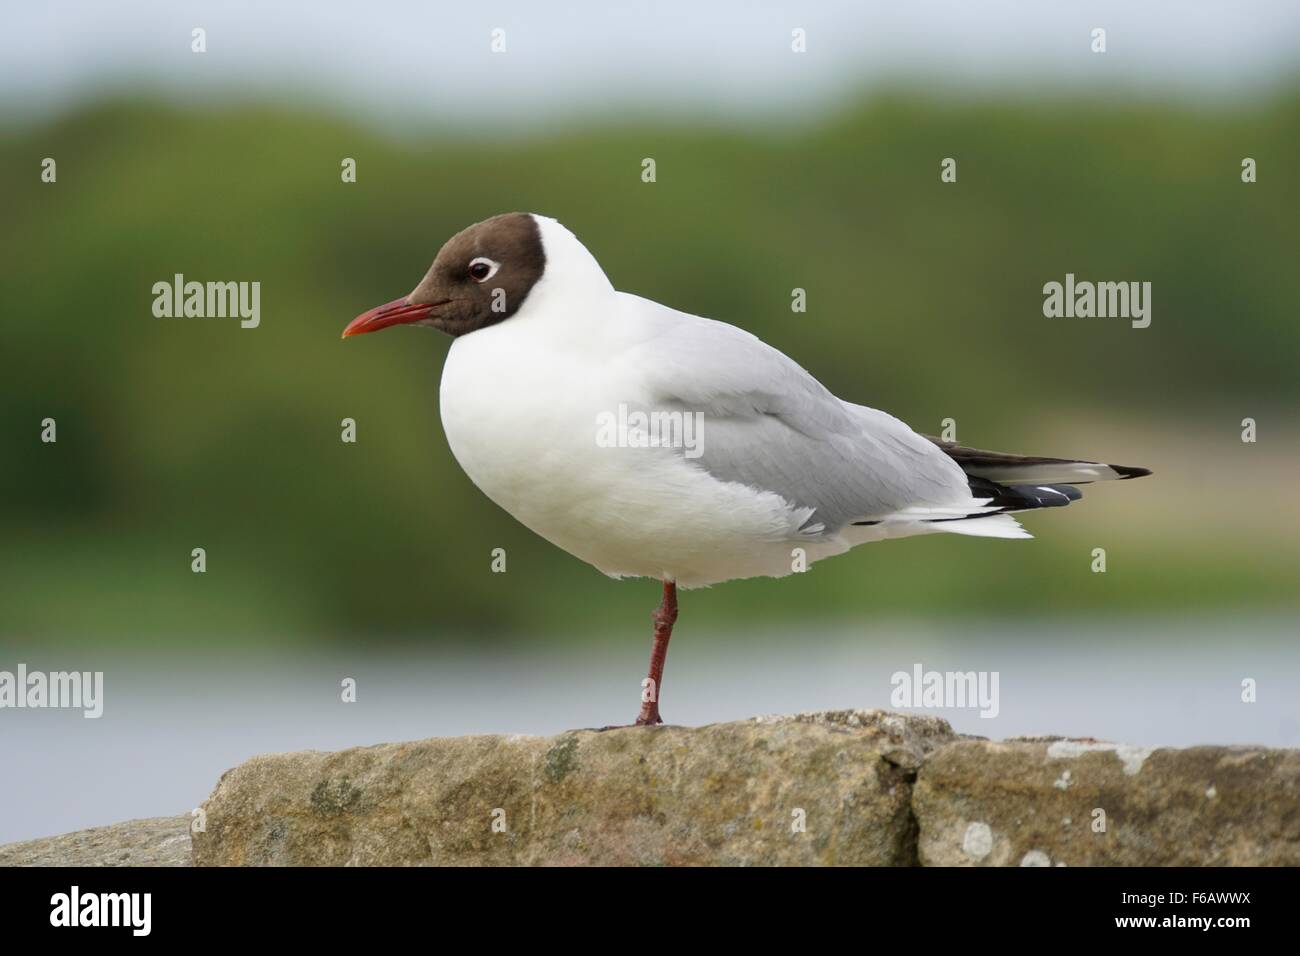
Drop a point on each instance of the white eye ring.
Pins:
(492, 265)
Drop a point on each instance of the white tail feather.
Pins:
(994, 526)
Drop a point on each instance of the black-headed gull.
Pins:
(653, 443)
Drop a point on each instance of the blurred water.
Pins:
(171, 726)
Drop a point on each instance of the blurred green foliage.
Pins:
(924, 299)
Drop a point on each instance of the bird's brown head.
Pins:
(480, 277)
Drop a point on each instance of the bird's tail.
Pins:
(1030, 470)
(1025, 482)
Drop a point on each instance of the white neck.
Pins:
(572, 277)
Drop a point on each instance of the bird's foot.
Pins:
(649, 717)
(654, 722)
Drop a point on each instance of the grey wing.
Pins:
(768, 424)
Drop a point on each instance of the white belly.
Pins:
(521, 417)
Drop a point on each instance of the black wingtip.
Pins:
(1129, 471)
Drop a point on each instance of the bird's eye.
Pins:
(483, 268)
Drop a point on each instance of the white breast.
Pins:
(520, 407)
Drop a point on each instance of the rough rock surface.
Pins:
(1083, 803)
(829, 788)
(841, 787)
(160, 841)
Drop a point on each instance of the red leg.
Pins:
(664, 617)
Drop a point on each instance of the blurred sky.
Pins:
(405, 62)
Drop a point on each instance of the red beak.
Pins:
(397, 312)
